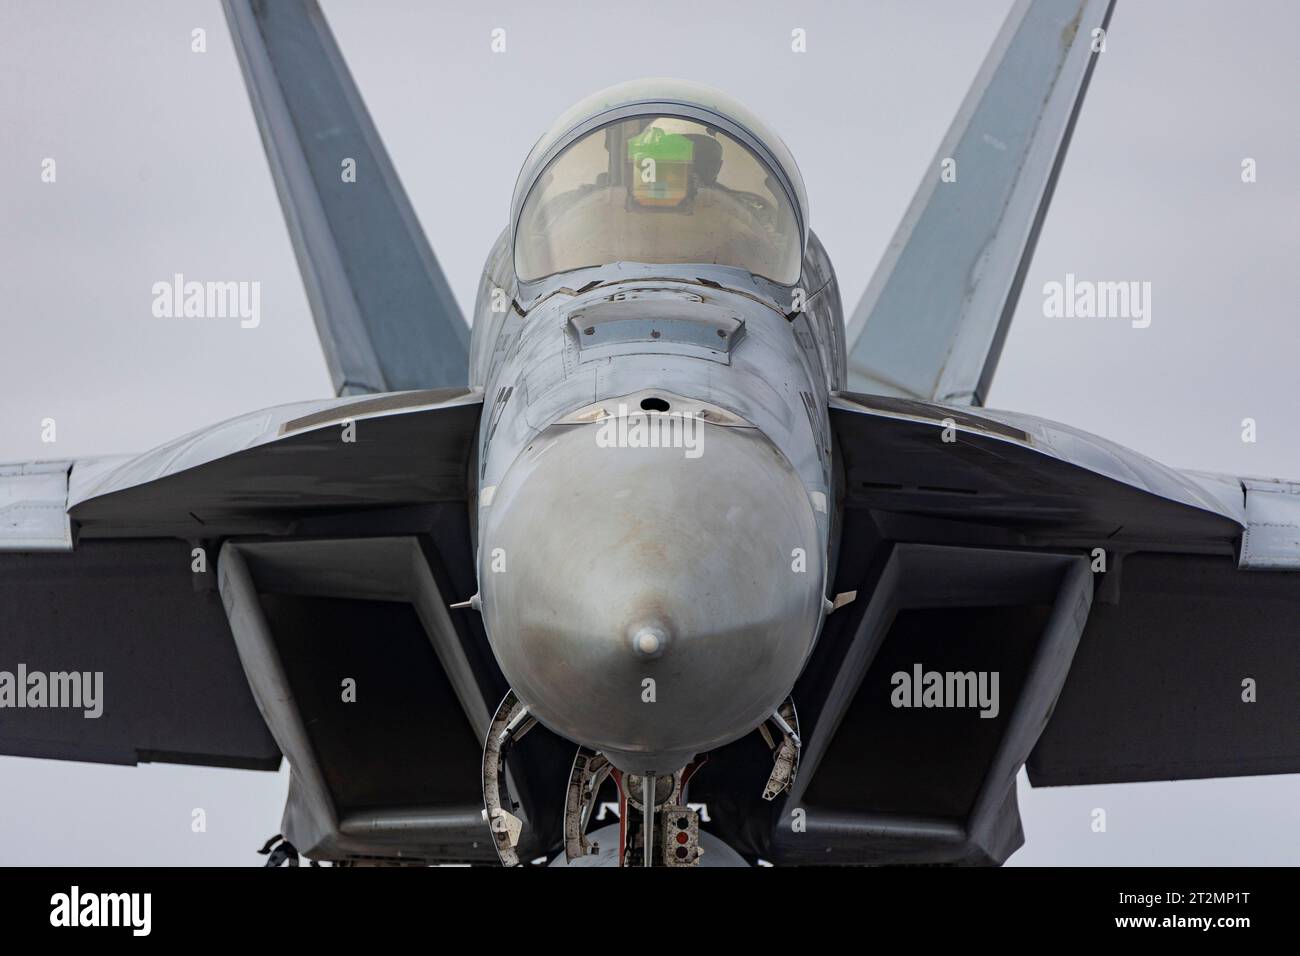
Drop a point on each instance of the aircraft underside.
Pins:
(975, 556)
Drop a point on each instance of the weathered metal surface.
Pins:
(34, 506)
(1272, 538)
(585, 614)
(934, 315)
(1048, 483)
(590, 770)
(587, 355)
(506, 828)
(785, 758)
(250, 473)
(679, 836)
(713, 852)
(385, 314)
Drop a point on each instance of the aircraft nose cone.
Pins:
(645, 603)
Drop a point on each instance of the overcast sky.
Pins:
(160, 170)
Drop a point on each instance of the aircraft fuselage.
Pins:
(655, 503)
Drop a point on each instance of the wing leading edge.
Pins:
(115, 646)
(1189, 663)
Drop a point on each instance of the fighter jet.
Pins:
(664, 564)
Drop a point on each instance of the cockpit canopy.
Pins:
(668, 183)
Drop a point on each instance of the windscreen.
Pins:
(657, 189)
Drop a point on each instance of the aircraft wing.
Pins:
(1192, 669)
(109, 566)
(1103, 611)
(1186, 652)
(932, 321)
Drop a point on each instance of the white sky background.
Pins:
(160, 170)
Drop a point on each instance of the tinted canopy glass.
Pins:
(657, 189)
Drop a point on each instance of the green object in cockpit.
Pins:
(661, 166)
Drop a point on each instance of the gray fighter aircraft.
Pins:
(774, 591)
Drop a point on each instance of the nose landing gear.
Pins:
(656, 826)
(785, 755)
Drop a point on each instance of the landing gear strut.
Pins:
(785, 755)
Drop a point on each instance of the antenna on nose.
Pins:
(474, 604)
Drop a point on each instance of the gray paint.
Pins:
(1158, 689)
(134, 611)
(385, 314)
(390, 569)
(991, 831)
(34, 507)
(1272, 537)
(1194, 213)
(934, 316)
